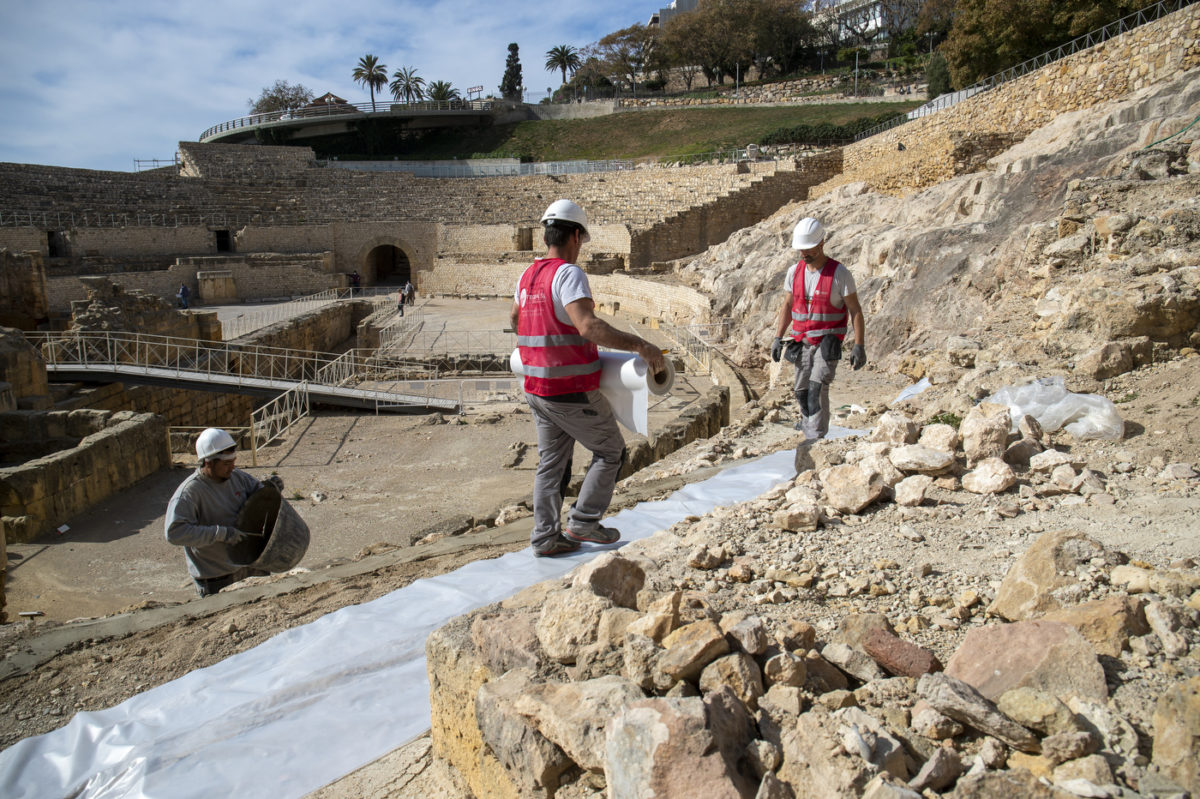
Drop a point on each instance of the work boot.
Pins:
(804, 459)
(601, 535)
(556, 546)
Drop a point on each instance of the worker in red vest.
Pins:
(557, 334)
(821, 306)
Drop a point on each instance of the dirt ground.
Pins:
(382, 486)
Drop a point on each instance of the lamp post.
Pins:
(856, 72)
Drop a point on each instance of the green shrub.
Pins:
(945, 417)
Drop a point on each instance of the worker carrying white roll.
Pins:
(558, 341)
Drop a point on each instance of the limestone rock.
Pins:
(823, 676)
(532, 762)
(506, 640)
(1048, 460)
(798, 518)
(939, 771)
(878, 465)
(984, 431)
(816, 764)
(1177, 734)
(1003, 785)
(852, 661)
(1116, 734)
(1048, 656)
(1037, 710)
(663, 747)
(785, 669)
(911, 491)
(958, 700)
(990, 476)
(1106, 623)
(1093, 769)
(569, 622)
(739, 673)
(1108, 360)
(1020, 452)
(921, 459)
(883, 788)
(1064, 746)
(1037, 582)
(863, 733)
(894, 427)
(660, 619)
(934, 725)
(1165, 622)
(854, 628)
(575, 715)
(641, 655)
(612, 576)
(692, 647)
(747, 632)
(849, 489)
(940, 437)
(772, 787)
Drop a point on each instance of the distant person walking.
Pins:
(400, 301)
(558, 333)
(355, 283)
(821, 302)
(183, 294)
(408, 292)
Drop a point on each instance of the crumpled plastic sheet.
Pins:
(1046, 399)
(911, 391)
(319, 701)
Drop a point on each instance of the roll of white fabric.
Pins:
(626, 382)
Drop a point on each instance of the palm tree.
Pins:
(440, 91)
(370, 73)
(564, 58)
(407, 84)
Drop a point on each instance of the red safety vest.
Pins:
(812, 321)
(556, 358)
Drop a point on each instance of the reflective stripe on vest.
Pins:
(556, 358)
(811, 321)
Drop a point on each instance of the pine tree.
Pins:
(510, 86)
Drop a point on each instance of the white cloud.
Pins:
(97, 84)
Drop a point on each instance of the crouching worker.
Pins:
(210, 506)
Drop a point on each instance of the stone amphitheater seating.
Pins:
(283, 186)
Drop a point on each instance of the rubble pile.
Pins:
(776, 649)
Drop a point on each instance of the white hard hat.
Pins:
(212, 441)
(808, 234)
(566, 211)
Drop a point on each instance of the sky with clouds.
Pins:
(97, 83)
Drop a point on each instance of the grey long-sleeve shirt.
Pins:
(201, 515)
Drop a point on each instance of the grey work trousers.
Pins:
(559, 425)
(811, 387)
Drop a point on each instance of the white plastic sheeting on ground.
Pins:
(316, 702)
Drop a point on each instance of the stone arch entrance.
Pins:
(387, 264)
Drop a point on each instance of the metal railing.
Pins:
(277, 417)
(1099, 36)
(238, 364)
(485, 169)
(143, 164)
(256, 318)
(349, 109)
(396, 335)
(462, 342)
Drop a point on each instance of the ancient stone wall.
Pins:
(179, 407)
(23, 300)
(115, 451)
(928, 150)
(23, 370)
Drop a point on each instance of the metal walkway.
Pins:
(219, 366)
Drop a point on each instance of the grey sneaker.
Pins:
(556, 546)
(601, 535)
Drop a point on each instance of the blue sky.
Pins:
(95, 84)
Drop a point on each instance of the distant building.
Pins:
(661, 16)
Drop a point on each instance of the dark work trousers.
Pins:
(811, 387)
(588, 420)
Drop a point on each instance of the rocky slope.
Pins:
(1073, 237)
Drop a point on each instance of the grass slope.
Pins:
(640, 134)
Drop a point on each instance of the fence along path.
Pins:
(218, 366)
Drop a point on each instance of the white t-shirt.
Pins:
(843, 284)
(570, 283)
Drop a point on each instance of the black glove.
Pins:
(776, 350)
(858, 356)
(276, 481)
(233, 536)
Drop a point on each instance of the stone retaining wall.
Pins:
(929, 150)
(179, 407)
(115, 451)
